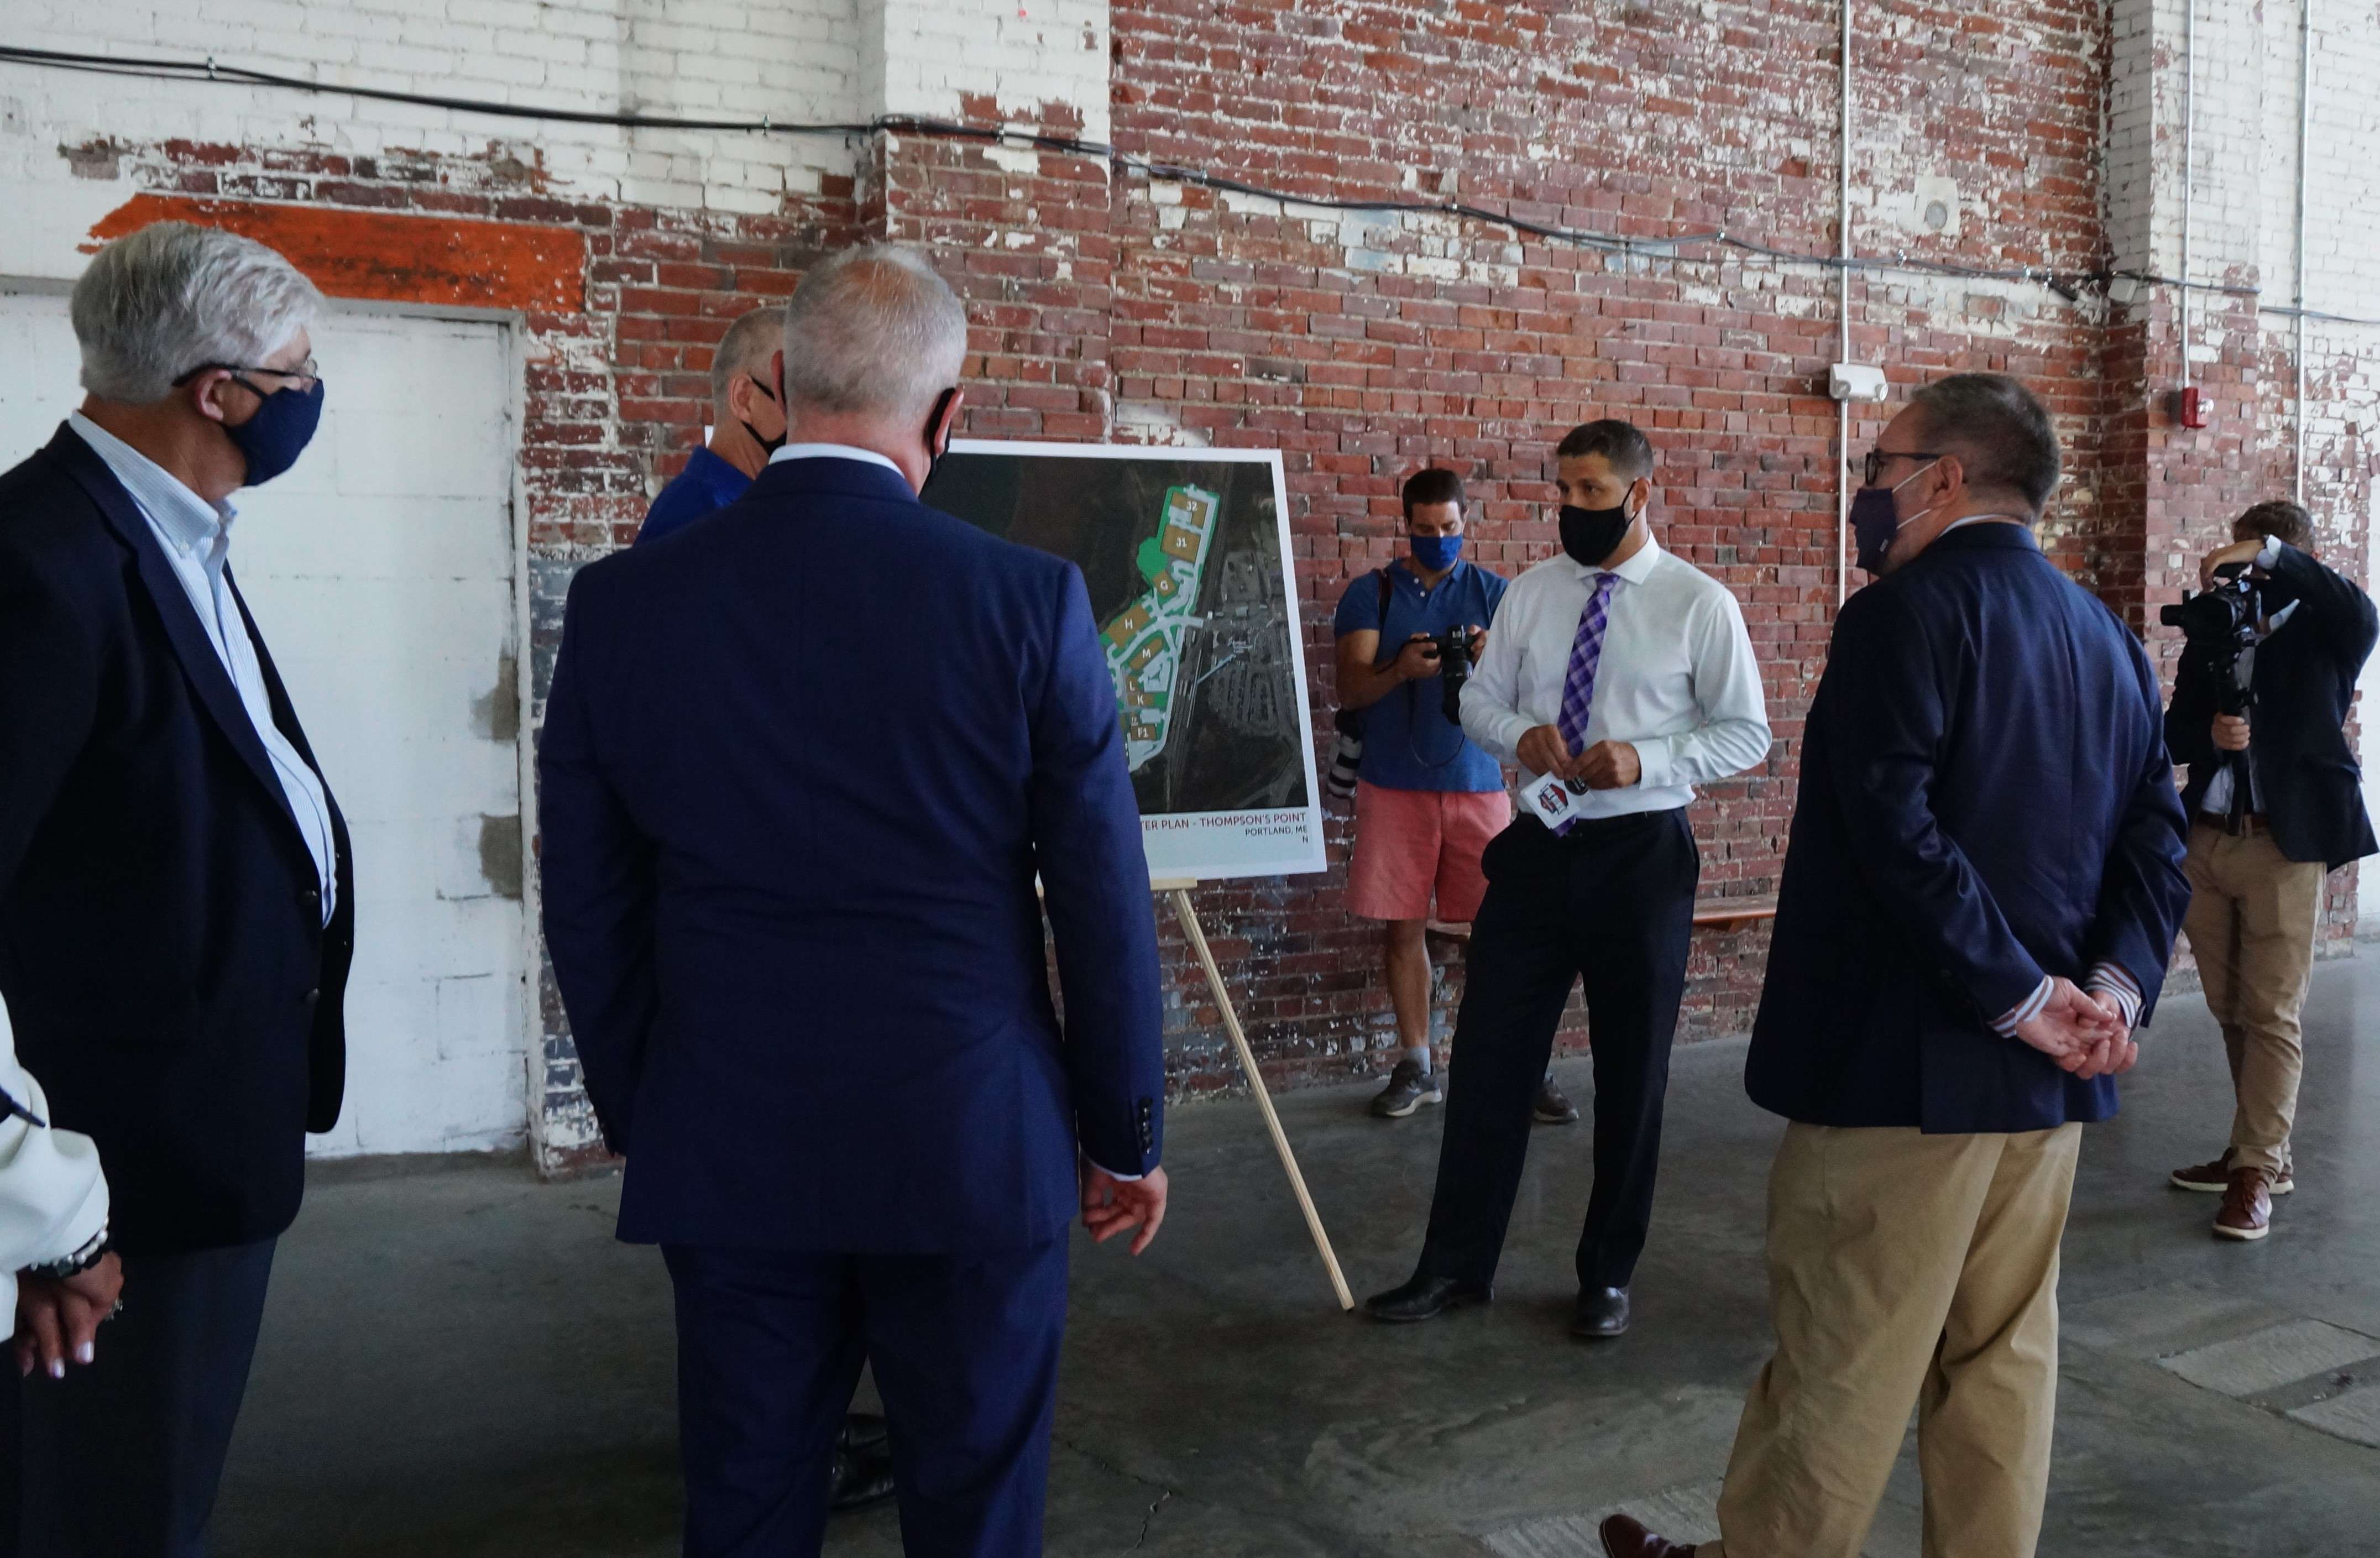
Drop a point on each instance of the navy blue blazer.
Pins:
(801, 764)
(1984, 798)
(162, 944)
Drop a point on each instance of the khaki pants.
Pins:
(2251, 922)
(1904, 1268)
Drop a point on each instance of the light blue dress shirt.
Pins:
(196, 536)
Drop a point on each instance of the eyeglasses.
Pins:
(304, 376)
(1872, 469)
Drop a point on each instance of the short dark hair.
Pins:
(1431, 484)
(2282, 520)
(2001, 433)
(745, 349)
(1628, 452)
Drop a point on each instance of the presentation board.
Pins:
(1186, 556)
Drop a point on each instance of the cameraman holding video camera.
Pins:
(2272, 646)
(1426, 800)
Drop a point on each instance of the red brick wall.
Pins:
(1118, 307)
(1460, 343)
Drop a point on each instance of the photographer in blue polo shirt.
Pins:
(1426, 800)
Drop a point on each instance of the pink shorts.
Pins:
(1409, 841)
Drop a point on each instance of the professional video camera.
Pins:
(2218, 626)
(1453, 650)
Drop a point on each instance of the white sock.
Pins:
(1419, 1055)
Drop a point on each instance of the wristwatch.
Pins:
(81, 1261)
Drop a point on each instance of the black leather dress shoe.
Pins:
(1426, 1299)
(1623, 1537)
(861, 1478)
(1602, 1313)
(862, 1430)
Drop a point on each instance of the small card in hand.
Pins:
(1555, 801)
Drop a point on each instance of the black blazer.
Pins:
(2306, 774)
(162, 946)
(1984, 798)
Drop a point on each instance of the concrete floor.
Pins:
(460, 1361)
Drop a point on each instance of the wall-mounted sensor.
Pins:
(1856, 381)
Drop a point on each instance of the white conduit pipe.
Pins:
(1844, 310)
(2189, 164)
(2305, 119)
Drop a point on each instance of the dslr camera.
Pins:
(2218, 626)
(1452, 648)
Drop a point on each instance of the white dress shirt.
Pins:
(1677, 679)
(196, 536)
(832, 452)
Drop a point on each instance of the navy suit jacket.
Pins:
(1984, 798)
(801, 764)
(162, 944)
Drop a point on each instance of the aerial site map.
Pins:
(1183, 553)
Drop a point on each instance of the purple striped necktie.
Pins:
(1578, 682)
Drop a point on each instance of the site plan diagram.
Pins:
(1185, 553)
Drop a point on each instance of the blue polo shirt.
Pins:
(706, 485)
(1408, 742)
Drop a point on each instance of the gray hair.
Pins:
(172, 298)
(744, 350)
(1999, 433)
(875, 330)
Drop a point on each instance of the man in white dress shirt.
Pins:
(177, 903)
(1619, 677)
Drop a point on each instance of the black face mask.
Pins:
(1590, 535)
(768, 445)
(933, 423)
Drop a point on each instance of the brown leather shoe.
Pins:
(2214, 1178)
(2247, 1210)
(1623, 1537)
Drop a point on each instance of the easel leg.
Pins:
(1189, 914)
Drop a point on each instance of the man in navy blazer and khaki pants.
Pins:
(1980, 896)
(801, 766)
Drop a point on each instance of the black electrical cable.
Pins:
(2067, 284)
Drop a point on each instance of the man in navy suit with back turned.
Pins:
(801, 766)
(1980, 896)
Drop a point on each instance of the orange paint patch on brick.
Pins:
(388, 258)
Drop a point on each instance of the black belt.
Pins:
(1603, 827)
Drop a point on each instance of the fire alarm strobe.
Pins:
(1856, 381)
(2193, 407)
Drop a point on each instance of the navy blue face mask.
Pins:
(1437, 553)
(278, 433)
(1876, 519)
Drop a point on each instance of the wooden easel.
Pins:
(1184, 911)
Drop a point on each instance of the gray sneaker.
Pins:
(1552, 1108)
(1409, 1088)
